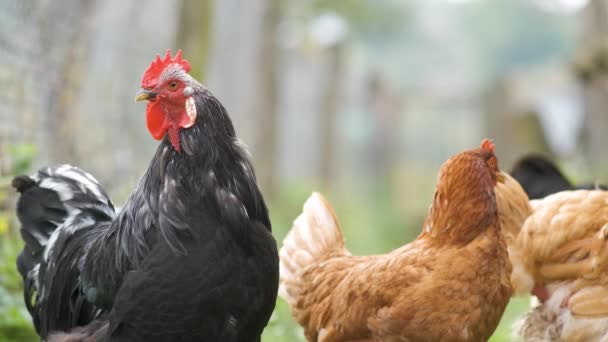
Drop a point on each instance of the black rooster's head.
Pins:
(169, 89)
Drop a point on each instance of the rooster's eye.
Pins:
(173, 85)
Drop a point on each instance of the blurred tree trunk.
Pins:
(592, 67)
(243, 73)
(329, 111)
(64, 93)
(514, 129)
(193, 34)
(266, 101)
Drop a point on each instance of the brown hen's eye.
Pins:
(492, 162)
(173, 85)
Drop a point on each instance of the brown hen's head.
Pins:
(472, 168)
(465, 203)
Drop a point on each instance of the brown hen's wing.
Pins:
(462, 298)
(342, 293)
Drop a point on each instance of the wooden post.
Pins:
(591, 68)
(266, 102)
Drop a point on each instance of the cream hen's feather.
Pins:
(562, 218)
(513, 210)
(563, 247)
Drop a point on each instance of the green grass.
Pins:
(515, 310)
(282, 327)
(15, 322)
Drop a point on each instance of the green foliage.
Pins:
(15, 322)
(20, 157)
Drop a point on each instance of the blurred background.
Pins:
(361, 99)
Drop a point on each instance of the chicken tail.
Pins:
(55, 203)
(314, 237)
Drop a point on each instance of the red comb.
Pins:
(158, 65)
(487, 145)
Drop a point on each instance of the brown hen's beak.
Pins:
(500, 178)
(143, 94)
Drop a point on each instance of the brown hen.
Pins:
(450, 284)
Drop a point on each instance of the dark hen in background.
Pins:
(190, 256)
(540, 177)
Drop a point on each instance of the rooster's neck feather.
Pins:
(211, 174)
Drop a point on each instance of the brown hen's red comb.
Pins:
(158, 65)
(487, 145)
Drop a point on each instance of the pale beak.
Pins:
(500, 178)
(143, 94)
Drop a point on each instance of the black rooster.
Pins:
(540, 177)
(190, 256)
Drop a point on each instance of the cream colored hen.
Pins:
(560, 255)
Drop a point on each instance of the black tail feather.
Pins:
(540, 177)
(40, 211)
(22, 183)
(56, 206)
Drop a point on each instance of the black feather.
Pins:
(53, 230)
(540, 177)
(22, 183)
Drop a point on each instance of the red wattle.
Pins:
(155, 120)
(541, 292)
(169, 118)
(174, 138)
